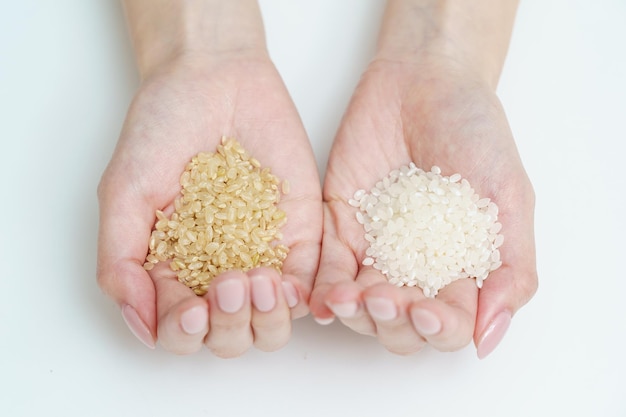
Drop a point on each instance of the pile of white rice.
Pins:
(428, 230)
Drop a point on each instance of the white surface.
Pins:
(66, 77)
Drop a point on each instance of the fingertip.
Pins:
(425, 321)
(346, 309)
(271, 316)
(324, 321)
(137, 326)
(183, 327)
(447, 322)
(493, 334)
(296, 293)
(130, 286)
(262, 292)
(230, 312)
(183, 318)
(230, 294)
(317, 303)
(291, 294)
(322, 314)
(381, 309)
(502, 295)
(194, 320)
(340, 299)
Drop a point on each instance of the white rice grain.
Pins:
(428, 230)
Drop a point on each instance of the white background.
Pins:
(66, 77)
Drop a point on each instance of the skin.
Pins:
(428, 96)
(196, 87)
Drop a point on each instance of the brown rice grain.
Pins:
(226, 217)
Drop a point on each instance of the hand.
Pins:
(181, 108)
(433, 114)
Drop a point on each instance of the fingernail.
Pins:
(263, 295)
(492, 336)
(231, 295)
(345, 310)
(194, 320)
(381, 309)
(426, 322)
(291, 294)
(137, 326)
(324, 322)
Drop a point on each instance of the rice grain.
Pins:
(428, 230)
(225, 218)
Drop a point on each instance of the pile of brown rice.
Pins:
(225, 218)
(428, 230)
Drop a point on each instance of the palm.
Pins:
(396, 117)
(393, 120)
(246, 101)
(180, 112)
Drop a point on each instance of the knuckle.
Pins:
(106, 281)
(102, 281)
(229, 325)
(271, 330)
(527, 288)
(271, 323)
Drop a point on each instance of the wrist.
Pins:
(470, 36)
(165, 31)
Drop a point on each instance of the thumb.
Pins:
(508, 288)
(124, 230)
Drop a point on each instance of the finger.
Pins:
(301, 200)
(183, 317)
(271, 318)
(447, 322)
(502, 295)
(299, 271)
(344, 300)
(124, 231)
(337, 265)
(387, 305)
(303, 235)
(512, 285)
(292, 295)
(230, 334)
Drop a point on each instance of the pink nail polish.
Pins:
(426, 322)
(137, 326)
(381, 309)
(263, 294)
(324, 322)
(494, 333)
(194, 320)
(231, 294)
(345, 310)
(291, 294)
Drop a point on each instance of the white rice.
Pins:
(428, 230)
